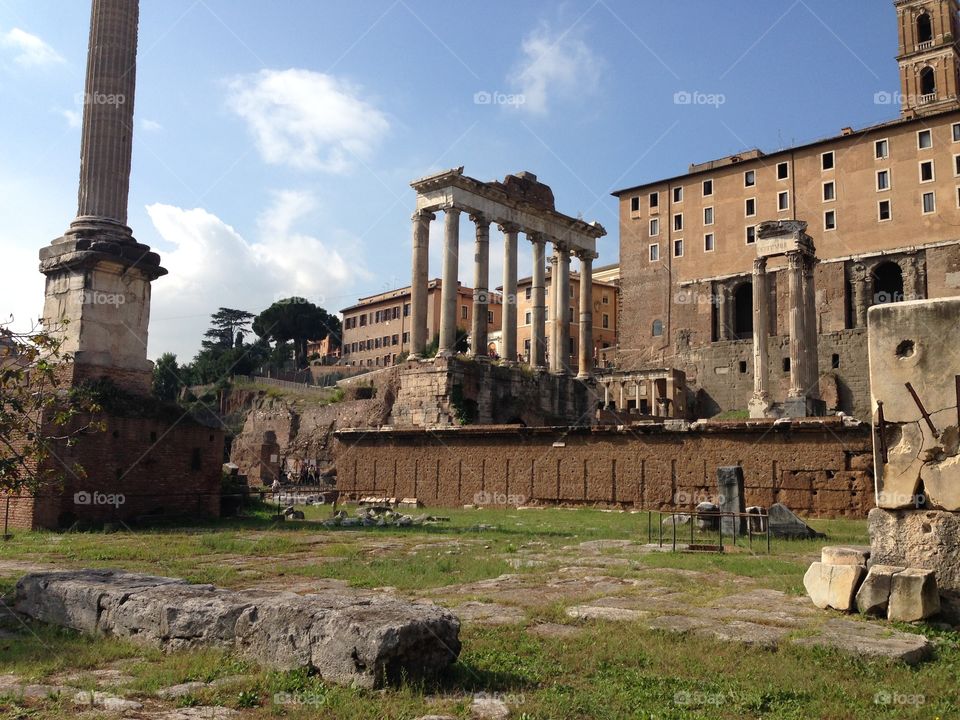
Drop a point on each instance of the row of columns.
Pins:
(659, 405)
(560, 289)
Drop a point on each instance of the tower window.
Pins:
(654, 200)
(928, 82)
(826, 161)
(829, 191)
(678, 194)
(924, 29)
(749, 178)
(678, 248)
(750, 207)
(924, 139)
(751, 234)
(708, 215)
(707, 188)
(783, 171)
(883, 210)
(708, 242)
(956, 165)
(830, 220)
(926, 171)
(635, 204)
(883, 180)
(783, 200)
(654, 227)
(678, 222)
(654, 252)
(929, 203)
(956, 132)
(882, 148)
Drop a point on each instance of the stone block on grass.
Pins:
(833, 586)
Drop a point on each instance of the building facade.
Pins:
(883, 209)
(377, 329)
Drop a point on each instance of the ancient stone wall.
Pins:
(821, 469)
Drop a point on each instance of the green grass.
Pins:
(609, 670)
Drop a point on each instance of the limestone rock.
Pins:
(353, 640)
(832, 585)
(707, 518)
(678, 519)
(105, 701)
(835, 555)
(913, 595)
(872, 640)
(489, 708)
(784, 523)
(874, 595)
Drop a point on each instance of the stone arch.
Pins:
(742, 314)
(928, 81)
(887, 283)
(924, 28)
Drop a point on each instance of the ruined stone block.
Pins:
(836, 555)
(913, 595)
(874, 594)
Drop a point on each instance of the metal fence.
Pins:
(707, 530)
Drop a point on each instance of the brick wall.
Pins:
(820, 469)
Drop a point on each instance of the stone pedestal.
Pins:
(731, 496)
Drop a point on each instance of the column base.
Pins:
(799, 406)
(761, 406)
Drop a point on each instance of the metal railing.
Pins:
(754, 524)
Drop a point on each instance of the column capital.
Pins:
(450, 209)
(586, 255)
(537, 238)
(508, 227)
(795, 260)
(760, 265)
(479, 219)
(423, 215)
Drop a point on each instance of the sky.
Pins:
(275, 141)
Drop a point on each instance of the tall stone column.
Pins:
(538, 311)
(810, 343)
(106, 141)
(760, 405)
(508, 334)
(418, 282)
(563, 310)
(585, 365)
(449, 290)
(481, 279)
(798, 371)
(554, 331)
(859, 281)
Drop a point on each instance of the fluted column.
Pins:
(508, 334)
(585, 365)
(538, 311)
(563, 308)
(418, 282)
(449, 290)
(106, 143)
(798, 372)
(481, 280)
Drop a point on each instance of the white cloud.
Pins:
(213, 266)
(74, 118)
(307, 120)
(29, 50)
(554, 65)
(149, 125)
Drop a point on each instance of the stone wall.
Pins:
(815, 468)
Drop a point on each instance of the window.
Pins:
(956, 132)
(924, 139)
(830, 220)
(406, 310)
(406, 337)
(571, 291)
(743, 366)
(827, 161)
(708, 215)
(750, 207)
(606, 299)
(527, 318)
(376, 342)
(835, 361)
(395, 340)
(396, 313)
(929, 203)
(463, 312)
(654, 200)
(750, 178)
(654, 227)
(363, 320)
(678, 194)
(489, 317)
(829, 191)
(928, 83)
(783, 200)
(657, 329)
(751, 234)
(926, 171)
(883, 180)
(882, 149)
(958, 197)
(707, 188)
(654, 252)
(956, 165)
(924, 29)
(678, 222)
(708, 242)
(678, 248)
(883, 210)
(783, 171)
(635, 204)
(528, 293)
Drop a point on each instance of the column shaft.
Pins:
(861, 295)
(508, 333)
(538, 311)
(481, 280)
(761, 325)
(554, 313)
(585, 368)
(810, 344)
(418, 282)
(798, 372)
(563, 308)
(449, 291)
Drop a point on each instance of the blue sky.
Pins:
(275, 141)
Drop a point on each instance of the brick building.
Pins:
(377, 329)
(883, 207)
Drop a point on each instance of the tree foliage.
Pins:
(295, 320)
(167, 377)
(39, 411)
(228, 328)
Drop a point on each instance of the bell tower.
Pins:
(928, 55)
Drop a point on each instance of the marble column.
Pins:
(106, 141)
(859, 283)
(622, 402)
(481, 280)
(563, 309)
(798, 371)
(606, 396)
(538, 310)
(811, 331)
(585, 364)
(449, 291)
(554, 333)
(760, 404)
(508, 333)
(418, 282)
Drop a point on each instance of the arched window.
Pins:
(928, 81)
(924, 28)
(743, 310)
(657, 328)
(887, 283)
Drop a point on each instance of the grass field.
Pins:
(597, 670)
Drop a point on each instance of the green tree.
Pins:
(295, 320)
(228, 328)
(38, 411)
(167, 379)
